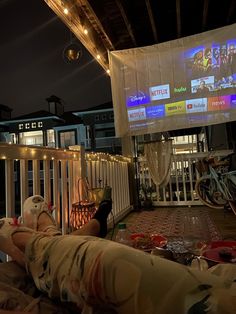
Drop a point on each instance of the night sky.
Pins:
(32, 66)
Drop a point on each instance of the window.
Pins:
(97, 118)
(67, 138)
(31, 138)
(50, 138)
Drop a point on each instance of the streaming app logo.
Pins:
(180, 89)
(139, 98)
(218, 103)
(233, 101)
(136, 114)
(159, 92)
(175, 108)
(153, 112)
(196, 105)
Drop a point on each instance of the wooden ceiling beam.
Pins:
(127, 23)
(95, 21)
(178, 18)
(205, 13)
(152, 21)
(231, 11)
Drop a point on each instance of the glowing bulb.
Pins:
(98, 57)
(108, 71)
(66, 11)
(85, 31)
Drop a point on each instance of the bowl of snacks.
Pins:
(147, 242)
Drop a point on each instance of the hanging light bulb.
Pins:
(72, 52)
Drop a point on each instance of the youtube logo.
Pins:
(189, 106)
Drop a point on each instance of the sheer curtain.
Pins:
(158, 156)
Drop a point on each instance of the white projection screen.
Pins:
(184, 83)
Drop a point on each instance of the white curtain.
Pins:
(158, 156)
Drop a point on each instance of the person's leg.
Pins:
(101, 274)
(36, 215)
(97, 226)
(91, 228)
(7, 227)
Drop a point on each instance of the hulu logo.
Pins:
(180, 89)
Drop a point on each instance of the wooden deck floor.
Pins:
(225, 222)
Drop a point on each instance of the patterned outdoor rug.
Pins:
(169, 222)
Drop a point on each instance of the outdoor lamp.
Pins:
(72, 53)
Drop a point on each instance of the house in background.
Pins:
(100, 129)
(93, 128)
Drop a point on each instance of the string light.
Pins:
(66, 11)
(104, 157)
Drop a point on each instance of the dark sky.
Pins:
(32, 67)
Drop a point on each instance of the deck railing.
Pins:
(180, 190)
(54, 174)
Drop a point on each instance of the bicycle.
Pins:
(216, 188)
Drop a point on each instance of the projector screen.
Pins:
(184, 83)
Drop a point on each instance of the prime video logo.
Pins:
(140, 98)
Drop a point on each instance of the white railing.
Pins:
(50, 172)
(54, 174)
(180, 190)
(104, 169)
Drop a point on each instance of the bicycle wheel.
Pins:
(232, 204)
(232, 191)
(206, 189)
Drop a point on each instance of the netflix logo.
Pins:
(136, 114)
(159, 92)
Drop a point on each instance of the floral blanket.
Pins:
(18, 292)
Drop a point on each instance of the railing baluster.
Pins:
(10, 188)
(56, 192)
(64, 196)
(36, 177)
(24, 181)
(47, 185)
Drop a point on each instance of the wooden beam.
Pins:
(152, 21)
(231, 11)
(127, 23)
(100, 29)
(178, 18)
(205, 13)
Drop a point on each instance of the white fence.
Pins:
(54, 173)
(180, 190)
(104, 169)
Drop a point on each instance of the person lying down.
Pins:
(97, 275)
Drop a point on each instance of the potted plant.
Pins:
(146, 194)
